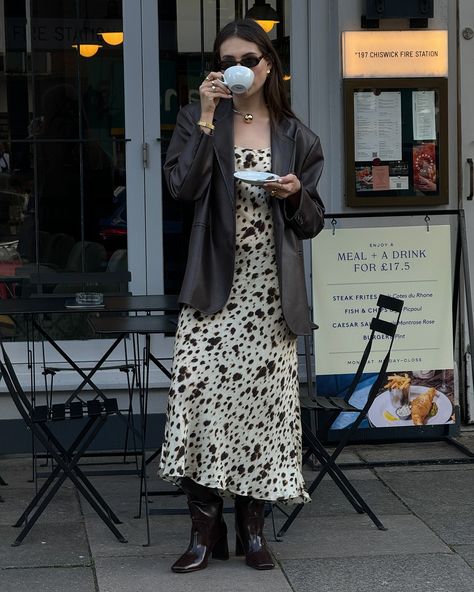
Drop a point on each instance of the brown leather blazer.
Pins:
(199, 168)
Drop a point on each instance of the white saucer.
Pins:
(255, 177)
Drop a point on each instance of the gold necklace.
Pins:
(248, 117)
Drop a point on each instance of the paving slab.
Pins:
(443, 500)
(77, 579)
(328, 500)
(17, 470)
(466, 552)
(46, 545)
(398, 573)
(409, 451)
(349, 536)
(62, 508)
(421, 491)
(153, 574)
(466, 439)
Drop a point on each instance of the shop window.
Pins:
(62, 143)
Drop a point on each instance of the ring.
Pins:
(213, 87)
(273, 193)
(207, 78)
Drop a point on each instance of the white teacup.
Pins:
(239, 79)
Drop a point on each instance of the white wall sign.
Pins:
(395, 54)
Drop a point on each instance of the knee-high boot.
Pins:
(249, 520)
(208, 530)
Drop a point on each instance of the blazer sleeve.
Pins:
(308, 218)
(188, 164)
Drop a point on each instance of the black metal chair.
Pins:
(64, 284)
(40, 419)
(316, 405)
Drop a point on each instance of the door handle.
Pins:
(471, 179)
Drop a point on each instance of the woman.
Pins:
(233, 415)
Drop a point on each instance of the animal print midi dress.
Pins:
(233, 412)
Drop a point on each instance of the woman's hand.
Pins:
(284, 187)
(211, 91)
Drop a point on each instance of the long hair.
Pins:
(273, 90)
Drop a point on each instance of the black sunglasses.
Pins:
(249, 62)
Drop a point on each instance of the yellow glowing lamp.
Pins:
(267, 26)
(264, 14)
(112, 38)
(87, 50)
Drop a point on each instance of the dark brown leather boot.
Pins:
(249, 519)
(208, 531)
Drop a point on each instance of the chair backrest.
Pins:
(118, 261)
(94, 254)
(59, 248)
(387, 328)
(15, 389)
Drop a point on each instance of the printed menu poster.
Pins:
(351, 267)
(424, 167)
(424, 119)
(377, 126)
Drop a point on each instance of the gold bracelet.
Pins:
(202, 123)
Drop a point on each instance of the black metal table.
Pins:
(34, 307)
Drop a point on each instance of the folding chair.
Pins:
(64, 284)
(337, 405)
(39, 419)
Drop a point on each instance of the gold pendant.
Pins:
(248, 118)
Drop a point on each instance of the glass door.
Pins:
(187, 29)
(63, 154)
(89, 92)
(173, 70)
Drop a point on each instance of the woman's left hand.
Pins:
(283, 187)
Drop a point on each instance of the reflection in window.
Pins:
(62, 142)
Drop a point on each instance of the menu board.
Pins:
(396, 151)
(351, 268)
(377, 126)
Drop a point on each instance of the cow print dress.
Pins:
(233, 420)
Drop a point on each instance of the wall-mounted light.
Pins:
(264, 14)
(112, 37)
(87, 50)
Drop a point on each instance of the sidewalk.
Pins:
(428, 547)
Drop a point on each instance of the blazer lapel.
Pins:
(283, 157)
(283, 161)
(224, 144)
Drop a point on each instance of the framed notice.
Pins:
(397, 141)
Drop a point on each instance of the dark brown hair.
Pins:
(273, 90)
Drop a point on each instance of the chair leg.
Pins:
(69, 470)
(54, 473)
(329, 466)
(80, 474)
